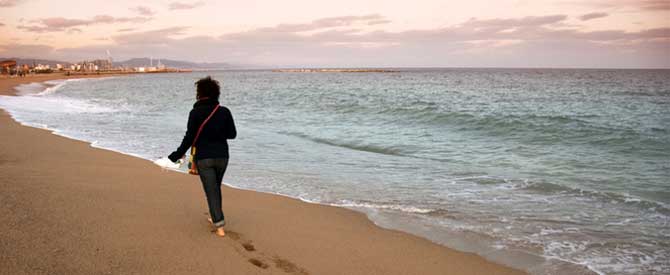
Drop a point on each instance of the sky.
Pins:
(345, 33)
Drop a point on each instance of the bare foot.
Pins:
(219, 231)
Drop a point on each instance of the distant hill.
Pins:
(145, 62)
(30, 61)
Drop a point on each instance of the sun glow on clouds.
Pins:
(422, 33)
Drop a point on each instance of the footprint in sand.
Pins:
(233, 235)
(261, 259)
(289, 267)
(258, 263)
(248, 246)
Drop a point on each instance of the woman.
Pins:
(211, 146)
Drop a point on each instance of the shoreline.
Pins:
(268, 234)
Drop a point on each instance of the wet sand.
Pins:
(68, 208)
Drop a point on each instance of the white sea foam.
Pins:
(403, 208)
(43, 88)
(31, 104)
(57, 84)
(30, 88)
(549, 231)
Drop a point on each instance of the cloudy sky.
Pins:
(346, 33)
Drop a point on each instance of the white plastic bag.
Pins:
(166, 163)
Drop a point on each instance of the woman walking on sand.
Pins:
(211, 156)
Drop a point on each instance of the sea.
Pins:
(554, 171)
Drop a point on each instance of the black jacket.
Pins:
(212, 142)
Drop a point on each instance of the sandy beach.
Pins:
(69, 208)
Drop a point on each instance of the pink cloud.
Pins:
(335, 41)
(378, 22)
(592, 15)
(143, 10)
(56, 24)
(654, 5)
(8, 3)
(74, 30)
(107, 19)
(500, 29)
(528, 21)
(185, 6)
(38, 29)
(650, 5)
(470, 40)
(61, 23)
(348, 20)
(328, 22)
(160, 36)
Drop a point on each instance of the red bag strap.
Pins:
(203, 125)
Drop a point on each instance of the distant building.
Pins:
(40, 68)
(103, 64)
(85, 66)
(8, 66)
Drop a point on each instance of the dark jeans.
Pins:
(211, 174)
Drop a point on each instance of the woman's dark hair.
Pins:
(207, 87)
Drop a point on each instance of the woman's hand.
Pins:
(174, 157)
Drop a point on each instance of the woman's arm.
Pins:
(191, 129)
(229, 127)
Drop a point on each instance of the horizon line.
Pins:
(259, 67)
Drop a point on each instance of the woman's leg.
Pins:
(221, 165)
(208, 175)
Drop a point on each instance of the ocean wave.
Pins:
(588, 130)
(604, 196)
(433, 113)
(548, 188)
(30, 88)
(52, 87)
(583, 128)
(513, 125)
(359, 146)
(42, 88)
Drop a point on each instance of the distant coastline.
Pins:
(125, 72)
(334, 71)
